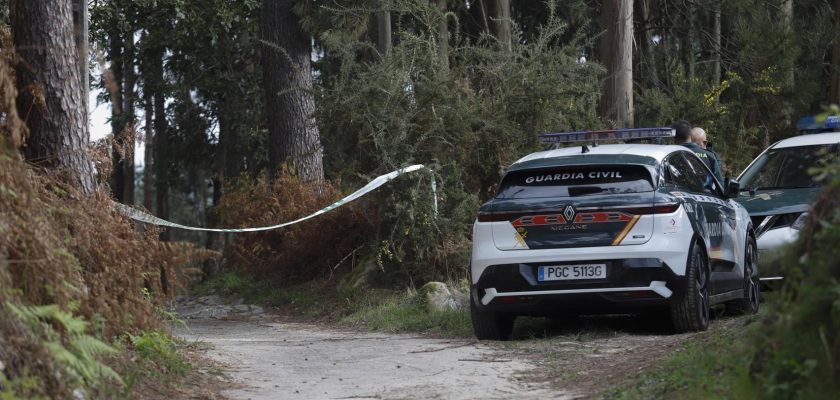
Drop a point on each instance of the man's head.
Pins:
(683, 132)
(698, 136)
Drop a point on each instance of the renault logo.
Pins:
(569, 213)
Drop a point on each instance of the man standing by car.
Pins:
(682, 137)
(698, 136)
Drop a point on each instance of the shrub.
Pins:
(300, 252)
(798, 353)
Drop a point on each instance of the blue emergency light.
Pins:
(812, 124)
(607, 134)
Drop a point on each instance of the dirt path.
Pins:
(272, 360)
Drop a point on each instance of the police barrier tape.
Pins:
(141, 216)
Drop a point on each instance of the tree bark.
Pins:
(293, 132)
(130, 121)
(80, 33)
(499, 21)
(787, 104)
(161, 156)
(51, 93)
(383, 32)
(148, 162)
(115, 89)
(617, 56)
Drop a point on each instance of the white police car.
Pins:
(610, 228)
(777, 188)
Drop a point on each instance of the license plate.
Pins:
(571, 272)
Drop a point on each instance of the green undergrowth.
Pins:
(159, 349)
(383, 310)
(401, 311)
(302, 300)
(712, 365)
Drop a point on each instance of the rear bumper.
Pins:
(633, 284)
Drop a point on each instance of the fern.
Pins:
(79, 356)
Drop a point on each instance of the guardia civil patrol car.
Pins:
(611, 228)
(778, 187)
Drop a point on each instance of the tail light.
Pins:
(492, 217)
(665, 208)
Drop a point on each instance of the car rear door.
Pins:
(717, 218)
(573, 206)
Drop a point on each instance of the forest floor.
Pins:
(269, 357)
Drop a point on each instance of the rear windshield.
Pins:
(575, 181)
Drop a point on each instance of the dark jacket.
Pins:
(709, 157)
(718, 163)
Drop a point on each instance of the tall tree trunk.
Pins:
(648, 57)
(443, 35)
(115, 89)
(51, 93)
(716, 72)
(148, 162)
(293, 133)
(161, 156)
(383, 32)
(835, 57)
(499, 22)
(787, 20)
(617, 56)
(130, 121)
(80, 32)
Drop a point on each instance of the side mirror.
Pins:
(732, 190)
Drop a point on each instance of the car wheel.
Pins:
(691, 312)
(488, 325)
(750, 302)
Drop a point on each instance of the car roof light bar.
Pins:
(818, 123)
(607, 134)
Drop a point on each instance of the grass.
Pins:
(304, 300)
(391, 311)
(379, 310)
(712, 365)
(159, 349)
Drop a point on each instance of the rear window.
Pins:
(575, 181)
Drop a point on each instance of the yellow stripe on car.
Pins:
(626, 230)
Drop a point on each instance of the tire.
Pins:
(490, 325)
(691, 312)
(750, 302)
